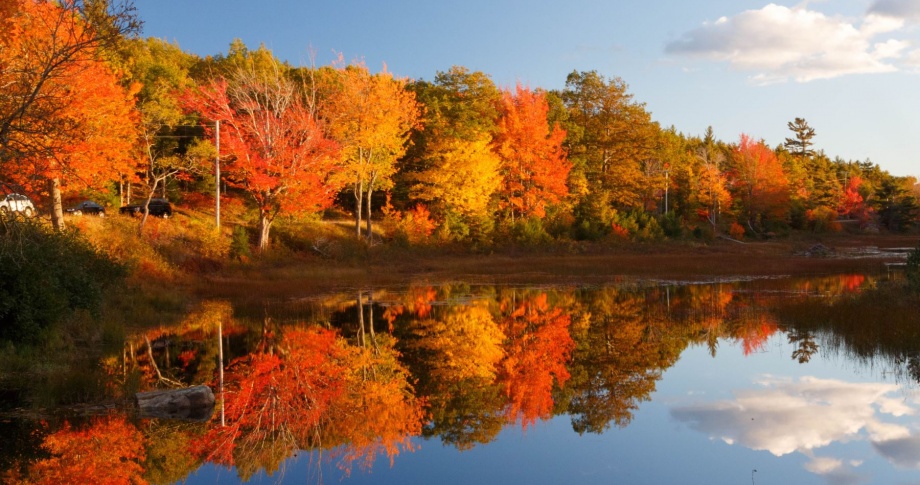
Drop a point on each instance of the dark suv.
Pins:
(87, 207)
(157, 207)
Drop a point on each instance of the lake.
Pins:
(733, 380)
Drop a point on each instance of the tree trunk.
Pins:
(360, 304)
(370, 233)
(146, 213)
(359, 194)
(370, 192)
(57, 211)
(265, 225)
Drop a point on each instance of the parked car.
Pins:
(157, 207)
(17, 203)
(87, 207)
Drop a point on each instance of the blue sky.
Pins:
(851, 68)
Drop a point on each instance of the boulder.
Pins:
(194, 403)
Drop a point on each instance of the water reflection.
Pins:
(785, 415)
(355, 377)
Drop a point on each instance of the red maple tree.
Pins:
(279, 154)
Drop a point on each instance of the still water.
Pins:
(780, 380)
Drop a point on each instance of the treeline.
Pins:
(102, 113)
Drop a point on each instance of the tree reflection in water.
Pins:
(360, 376)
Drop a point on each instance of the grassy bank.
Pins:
(185, 256)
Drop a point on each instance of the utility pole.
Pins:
(217, 176)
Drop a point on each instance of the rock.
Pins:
(819, 251)
(191, 403)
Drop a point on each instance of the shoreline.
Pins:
(594, 264)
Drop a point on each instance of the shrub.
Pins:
(736, 231)
(704, 232)
(47, 275)
(414, 226)
(823, 219)
(640, 226)
(530, 231)
(670, 224)
(239, 244)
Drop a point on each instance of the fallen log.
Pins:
(190, 404)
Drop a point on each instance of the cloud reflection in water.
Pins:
(783, 416)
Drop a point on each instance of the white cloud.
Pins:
(913, 60)
(778, 43)
(785, 416)
(823, 466)
(836, 472)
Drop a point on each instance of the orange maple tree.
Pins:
(538, 347)
(534, 164)
(109, 452)
(66, 121)
(279, 154)
(754, 332)
(761, 184)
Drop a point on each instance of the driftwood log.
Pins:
(191, 403)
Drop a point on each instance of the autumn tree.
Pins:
(461, 109)
(670, 166)
(40, 43)
(609, 136)
(534, 165)
(712, 187)
(538, 347)
(371, 116)
(761, 186)
(280, 155)
(97, 147)
(460, 183)
(63, 113)
(458, 350)
(166, 144)
(110, 450)
(853, 205)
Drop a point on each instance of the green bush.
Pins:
(640, 225)
(239, 243)
(45, 276)
(530, 231)
(670, 224)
